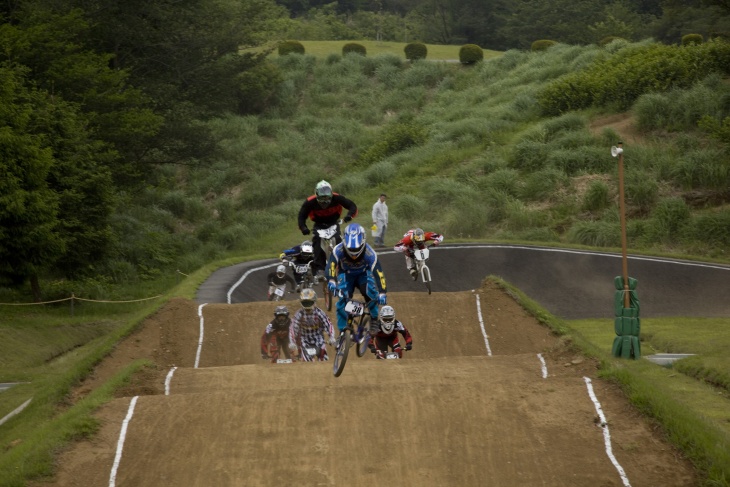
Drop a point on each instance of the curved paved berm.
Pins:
(572, 284)
(448, 414)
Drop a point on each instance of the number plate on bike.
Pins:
(301, 269)
(391, 356)
(283, 361)
(354, 308)
(327, 233)
(279, 291)
(421, 254)
(311, 351)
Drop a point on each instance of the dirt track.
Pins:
(449, 414)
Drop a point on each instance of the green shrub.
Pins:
(290, 47)
(470, 54)
(669, 216)
(395, 138)
(596, 234)
(355, 48)
(542, 185)
(713, 228)
(609, 39)
(692, 39)
(596, 197)
(618, 80)
(641, 189)
(542, 45)
(415, 51)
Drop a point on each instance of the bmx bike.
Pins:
(356, 332)
(421, 257)
(328, 238)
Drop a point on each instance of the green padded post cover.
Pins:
(627, 323)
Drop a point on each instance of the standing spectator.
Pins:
(380, 220)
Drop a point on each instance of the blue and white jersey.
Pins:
(340, 261)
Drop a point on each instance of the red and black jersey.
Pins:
(407, 241)
(275, 329)
(325, 217)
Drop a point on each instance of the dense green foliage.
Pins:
(503, 25)
(618, 79)
(415, 51)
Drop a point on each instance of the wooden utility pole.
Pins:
(619, 151)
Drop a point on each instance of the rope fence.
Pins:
(74, 298)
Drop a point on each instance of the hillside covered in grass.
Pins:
(501, 150)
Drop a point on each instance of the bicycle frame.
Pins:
(421, 257)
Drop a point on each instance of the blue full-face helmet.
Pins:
(354, 240)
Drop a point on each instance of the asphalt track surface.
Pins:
(572, 284)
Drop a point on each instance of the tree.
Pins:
(29, 236)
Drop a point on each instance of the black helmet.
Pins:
(281, 311)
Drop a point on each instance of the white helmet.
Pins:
(280, 270)
(307, 249)
(387, 319)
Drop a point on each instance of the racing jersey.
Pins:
(399, 328)
(406, 243)
(274, 329)
(309, 328)
(341, 262)
(325, 217)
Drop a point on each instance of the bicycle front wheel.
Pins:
(343, 347)
(363, 335)
(327, 296)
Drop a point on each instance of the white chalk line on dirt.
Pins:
(481, 324)
(168, 380)
(120, 442)
(200, 336)
(544, 366)
(606, 433)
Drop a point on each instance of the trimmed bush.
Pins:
(470, 54)
(415, 51)
(542, 45)
(692, 39)
(290, 47)
(354, 47)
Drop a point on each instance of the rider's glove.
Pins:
(382, 299)
(331, 286)
(305, 231)
(264, 356)
(333, 341)
(372, 348)
(409, 346)
(282, 256)
(347, 219)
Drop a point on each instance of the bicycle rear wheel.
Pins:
(343, 347)
(363, 335)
